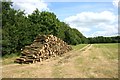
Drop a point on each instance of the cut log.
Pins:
(42, 48)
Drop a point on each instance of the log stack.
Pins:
(43, 47)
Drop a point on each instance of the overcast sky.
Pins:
(90, 17)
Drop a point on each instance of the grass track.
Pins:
(77, 47)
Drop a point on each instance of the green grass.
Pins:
(110, 50)
(79, 46)
(108, 45)
(9, 59)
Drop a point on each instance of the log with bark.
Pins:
(42, 48)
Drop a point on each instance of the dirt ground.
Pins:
(92, 61)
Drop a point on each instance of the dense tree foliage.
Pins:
(19, 30)
(101, 39)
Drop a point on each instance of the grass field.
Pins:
(84, 61)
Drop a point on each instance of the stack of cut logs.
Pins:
(43, 47)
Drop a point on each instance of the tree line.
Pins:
(19, 30)
(101, 39)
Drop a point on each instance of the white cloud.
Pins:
(29, 5)
(115, 3)
(102, 23)
(107, 30)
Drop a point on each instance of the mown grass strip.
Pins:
(110, 51)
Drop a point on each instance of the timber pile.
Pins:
(43, 47)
